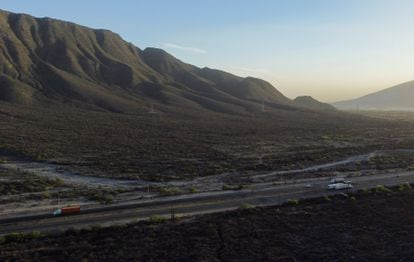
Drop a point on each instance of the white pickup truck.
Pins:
(339, 186)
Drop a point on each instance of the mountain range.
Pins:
(399, 97)
(48, 62)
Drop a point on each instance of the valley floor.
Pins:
(89, 157)
(29, 187)
(171, 147)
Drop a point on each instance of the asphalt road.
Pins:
(265, 194)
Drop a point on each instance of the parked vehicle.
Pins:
(339, 186)
(69, 210)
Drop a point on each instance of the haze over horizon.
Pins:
(331, 50)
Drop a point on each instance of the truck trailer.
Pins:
(68, 210)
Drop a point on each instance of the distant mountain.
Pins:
(399, 97)
(311, 103)
(45, 61)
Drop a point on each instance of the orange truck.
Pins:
(68, 210)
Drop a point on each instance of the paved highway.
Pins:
(259, 195)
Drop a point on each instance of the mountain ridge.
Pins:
(398, 97)
(310, 102)
(47, 61)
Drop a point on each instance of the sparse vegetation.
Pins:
(14, 182)
(143, 146)
(293, 202)
(157, 219)
(327, 198)
(247, 206)
(18, 237)
(405, 186)
(233, 187)
(169, 191)
(382, 189)
(366, 191)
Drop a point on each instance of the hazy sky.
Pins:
(330, 49)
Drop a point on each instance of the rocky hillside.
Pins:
(47, 62)
(310, 102)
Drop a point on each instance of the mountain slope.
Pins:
(399, 97)
(311, 103)
(50, 60)
(45, 61)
